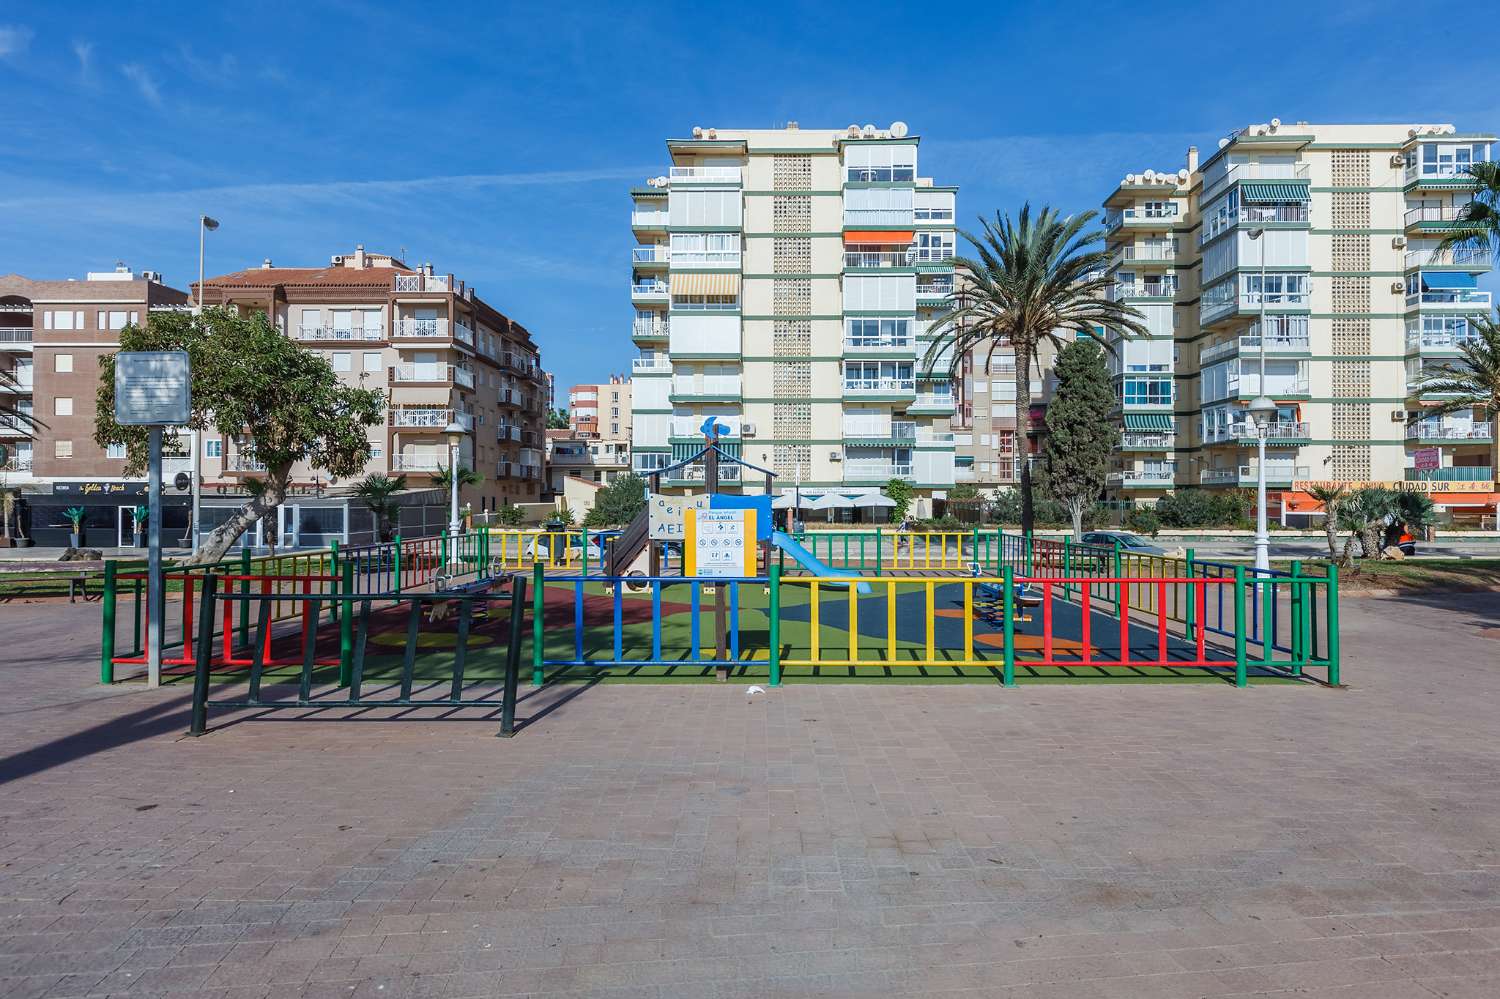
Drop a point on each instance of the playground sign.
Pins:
(720, 544)
(665, 515)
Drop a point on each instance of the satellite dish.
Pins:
(1182, 174)
(1275, 124)
(869, 131)
(1150, 176)
(1223, 143)
(853, 131)
(898, 129)
(182, 481)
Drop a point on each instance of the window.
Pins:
(213, 447)
(62, 362)
(865, 333)
(376, 449)
(934, 246)
(878, 205)
(934, 206)
(1147, 391)
(115, 451)
(62, 449)
(62, 320)
(705, 303)
(1280, 289)
(893, 293)
(880, 163)
(705, 248)
(341, 359)
(372, 360)
(113, 320)
(704, 208)
(62, 406)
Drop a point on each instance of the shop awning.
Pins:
(706, 284)
(1447, 279)
(1257, 193)
(1156, 422)
(903, 236)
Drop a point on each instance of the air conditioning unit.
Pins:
(747, 429)
(1398, 160)
(1398, 287)
(1398, 416)
(835, 456)
(1399, 242)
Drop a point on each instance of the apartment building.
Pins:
(1318, 244)
(570, 454)
(52, 334)
(601, 410)
(784, 281)
(439, 352)
(987, 455)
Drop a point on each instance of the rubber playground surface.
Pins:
(563, 642)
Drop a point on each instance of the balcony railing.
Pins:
(878, 216)
(1253, 171)
(1153, 215)
(16, 463)
(432, 372)
(1418, 339)
(1212, 309)
(692, 426)
(879, 258)
(935, 289)
(650, 254)
(424, 418)
(1453, 473)
(420, 461)
(1457, 433)
(1478, 259)
(423, 282)
(339, 333)
(705, 174)
(866, 471)
(1438, 171)
(853, 385)
(933, 400)
(655, 329)
(898, 344)
(1146, 254)
(710, 386)
(1146, 442)
(242, 462)
(421, 328)
(641, 219)
(1145, 289)
(649, 289)
(1276, 473)
(1433, 213)
(507, 432)
(1218, 476)
(1466, 298)
(463, 334)
(695, 473)
(1292, 212)
(1149, 475)
(1277, 430)
(15, 336)
(650, 365)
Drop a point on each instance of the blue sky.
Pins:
(497, 140)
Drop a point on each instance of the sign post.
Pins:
(152, 390)
(719, 544)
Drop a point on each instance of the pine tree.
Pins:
(1082, 428)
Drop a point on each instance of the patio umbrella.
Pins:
(830, 502)
(787, 501)
(873, 500)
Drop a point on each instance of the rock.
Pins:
(1394, 552)
(81, 555)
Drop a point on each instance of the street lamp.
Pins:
(1262, 411)
(205, 225)
(454, 432)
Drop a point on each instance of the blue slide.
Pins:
(804, 558)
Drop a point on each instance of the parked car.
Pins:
(1128, 542)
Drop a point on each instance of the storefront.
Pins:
(1467, 504)
(109, 513)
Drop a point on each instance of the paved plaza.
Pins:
(1067, 841)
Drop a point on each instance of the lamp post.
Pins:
(205, 225)
(454, 432)
(1262, 410)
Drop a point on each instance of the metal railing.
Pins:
(1452, 473)
(12, 335)
(879, 258)
(1441, 432)
(1144, 442)
(642, 365)
(1466, 297)
(413, 417)
(852, 385)
(640, 328)
(423, 282)
(421, 328)
(705, 173)
(650, 254)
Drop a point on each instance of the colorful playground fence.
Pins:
(575, 552)
(458, 691)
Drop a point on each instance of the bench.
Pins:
(77, 573)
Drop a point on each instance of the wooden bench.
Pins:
(77, 573)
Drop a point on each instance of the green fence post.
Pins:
(1192, 598)
(396, 565)
(999, 552)
(1333, 625)
(774, 614)
(346, 629)
(107, 639)
(585, 533)
(333, 547)
(538, 612)
(1008, 666)
(443, 548)
(1030, 567)
(244, 604)
(1239, 626)
(1067, 566)
(1297, 611)
(879, 554)
(977, 563)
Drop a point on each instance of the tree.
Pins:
(1330, 496)
(510, 515)
(1414, 511)
(1478, 225)
(618, 503)
(1033, 281)
(377, 491)
(557, 419)
(1082, 429)
(1471, 380)
(466, 477)
(1364, 513)
(256, 490)
(250, 381)
(899, 492)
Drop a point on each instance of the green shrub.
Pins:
(1143, 520)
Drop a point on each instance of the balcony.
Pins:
(880, 386)
(692, 426)
(1461, 258)
(1276, 473)
(339, 333)
(1453, 473)
(876, 471)
(648, 219)
(422, 329)
(16, 463)
(1433, 216)
(1286, 340)
(1439, 339)
(243, 462)
(647, 256)
(874, 259)
(1147, 477)
(651, 366)
(691, 387)
(1244, 432)
(1460, 299)
(423, 418)
(509, 432)
(1252, 171)
(879, 344)
(653, 292)
(695, 473)
(931, 403)
(1149, 253)
(653, 329)
(1221, 306)
(1147, 442)
(1451, 433)
(1124, 290)
(432, 373)
(898, 217)
(934, 292)
(1446, 170)
(21, 385)
(15, 424)
(15, 339)
(424, 282)
(1144, 218)
(680, 175)
(419, 461)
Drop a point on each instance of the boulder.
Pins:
(81, 555)
(1393, 552)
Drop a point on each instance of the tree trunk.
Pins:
(1346, 557)
(1370, 537)
(1023, 434)
(1331, 528)
(1075, 507)
(213, 547)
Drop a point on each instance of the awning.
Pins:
(706, 284)
(1447, 279)
(1263, 192)
(889, 236)
(1157, 422)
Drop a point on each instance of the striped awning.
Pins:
(902, 236)
(1158, 422)
(706, 284)
(1264, 192)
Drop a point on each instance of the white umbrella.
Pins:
(874, 500)
(829, 501)
(786, 501)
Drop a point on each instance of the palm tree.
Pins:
(1365, 513)
(1478, 225)
(466, 477)
(1330, 496)
(1414, 511)
(1035, 279)
(376, 491)
(1470, 381)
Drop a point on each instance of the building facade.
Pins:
(1317, 243)
(784, 282)
(601, 410)
(438, 351)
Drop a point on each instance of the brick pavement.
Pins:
(852, 840)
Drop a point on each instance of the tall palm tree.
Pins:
(1330, 496)
(376, 491)
(1470, 381)
(466, 477)
(1034, 281)
(1478, 225)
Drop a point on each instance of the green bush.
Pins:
(1204, 508)
(1143, 520)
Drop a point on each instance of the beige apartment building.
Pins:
(601, 410)
(1317, 242)
(784, 282)
(439, 352)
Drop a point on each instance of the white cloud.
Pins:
(85, 53)
(14, 41)
(217, 71)
(144, 82)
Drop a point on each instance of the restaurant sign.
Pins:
(1405, 485)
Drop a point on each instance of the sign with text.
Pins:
(152, 388)
(719, 543)
(1425, 459)
(1409, 485)
(665, 515)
